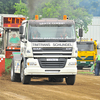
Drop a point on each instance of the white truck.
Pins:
(47, 49)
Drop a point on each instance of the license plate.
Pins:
(52, 59)
(82, 61)
(56, 71)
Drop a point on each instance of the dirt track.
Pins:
(86, 87)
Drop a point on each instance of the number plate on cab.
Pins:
(52, 59)
(82, 61)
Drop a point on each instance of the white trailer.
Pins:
(94, 30)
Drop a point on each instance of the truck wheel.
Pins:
(24, 78)
(14, 77)
(70, 80)
(54, 79)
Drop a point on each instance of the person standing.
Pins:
(97, 67)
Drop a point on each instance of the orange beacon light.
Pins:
(65, 17)
(36, 17)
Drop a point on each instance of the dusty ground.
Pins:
(86, 87)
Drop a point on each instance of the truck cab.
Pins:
(48, 49)
(87, 52)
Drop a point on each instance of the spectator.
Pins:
(97, 66)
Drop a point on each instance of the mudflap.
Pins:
(17, 61)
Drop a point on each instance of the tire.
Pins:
(70, 80)
(14, 77)
(55, 79)
(24, 78)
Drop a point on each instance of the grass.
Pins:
(8, 65)
(85, 73)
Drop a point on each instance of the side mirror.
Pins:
(22, 37)
(80, 32)
(21, 30)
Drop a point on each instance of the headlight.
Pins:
(91, 62)
(72, 63)
(31, 63)
(28, 51)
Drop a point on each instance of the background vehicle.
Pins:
(47, 53)
(87, 52)
(10, 25)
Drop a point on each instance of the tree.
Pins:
(58, 8)
(24, 1)
(33, 5)
(21, 8)
(92, 6)
(6, 6)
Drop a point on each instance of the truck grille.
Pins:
(52, 64)
(53, 49)
(52, 52)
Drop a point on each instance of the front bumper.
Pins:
(41, 71)
(37, 70)
(85, 63)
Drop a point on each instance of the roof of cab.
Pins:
(52, 21)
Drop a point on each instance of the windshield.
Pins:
(85, 47)
(50, 32)
(14, 38)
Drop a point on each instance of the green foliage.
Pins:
(51, 11)
(85, 73)
(24, 1)
(6, 6)
(8, 65)
(21, 8)
(92, 6)
(58, 8)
